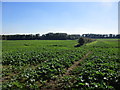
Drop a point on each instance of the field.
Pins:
(57, 64)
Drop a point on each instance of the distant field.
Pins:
(57, 64)
(29, 44)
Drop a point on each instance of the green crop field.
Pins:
(57, 64)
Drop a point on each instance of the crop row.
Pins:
(48, 64)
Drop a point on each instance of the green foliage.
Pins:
(39, 62)
(83, 40)
(99, 71)
(30, 64)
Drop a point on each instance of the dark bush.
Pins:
(83, 41)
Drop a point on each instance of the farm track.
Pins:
(52, 83)
(76, 63)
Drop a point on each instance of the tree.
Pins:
(81, 41)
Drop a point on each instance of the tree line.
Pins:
(56, 36)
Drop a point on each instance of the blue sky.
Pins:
(66, 17)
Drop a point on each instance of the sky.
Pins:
(63, 17)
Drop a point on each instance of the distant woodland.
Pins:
(56, 36)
